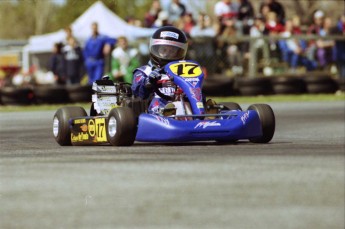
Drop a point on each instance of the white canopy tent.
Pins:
(108, 23)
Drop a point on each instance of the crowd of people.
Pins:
(209, 41)
(235, 18)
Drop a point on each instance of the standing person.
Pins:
(74, 61)
(124, 61)
(97, 46)
(339, 49)
(57, 64)
(166, 44)
(176, 11)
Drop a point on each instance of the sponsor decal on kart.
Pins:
(79, 137)
(161, 119)
(193, 81)
(244, 117)
(79, 121)
(84, 128)
(196, 93)
(205, 124)
(92, 128)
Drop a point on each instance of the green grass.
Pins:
(282, 98)
(237, 99)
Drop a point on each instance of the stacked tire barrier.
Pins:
(45, 94)
(280, 85)
(213, 86)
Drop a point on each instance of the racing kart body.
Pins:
(119, 118)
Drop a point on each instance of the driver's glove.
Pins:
(154, 76)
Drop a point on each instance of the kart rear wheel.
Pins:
(267, 120)
(121, 126)
(61, 125)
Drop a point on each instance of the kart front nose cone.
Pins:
(112, 126)
(56, 126)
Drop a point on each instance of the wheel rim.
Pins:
(56, 126)
(112, 127)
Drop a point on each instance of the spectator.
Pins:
(264, 10)
(74, 61)
(314, 29)
(162, 20)
(325, 47)
(152, 15)
(339, 29)
(203, 28)
(204, 49)
(258, 30)
(97, 46)
(273, 26)
(57, 64)
(176, 10)
(245, 16)
(187, 23)
(124, 61)
(69, 33)
(276, 7)
(293, 49)
(226, 13)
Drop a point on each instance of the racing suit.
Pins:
(139, 88)
(94, 57)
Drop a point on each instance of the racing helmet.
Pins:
(167, 44)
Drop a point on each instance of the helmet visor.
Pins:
(168, 50)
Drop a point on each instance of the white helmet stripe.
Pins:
(168, 42)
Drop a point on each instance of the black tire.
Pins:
(231, 106)
(288, 85)
(218, 86)
(341, 84)
(267, 120)
(93, 112)
(79, 93)
(320, 84)
(61, 125)
(121, 126)
(51, 94)
(253, 86)
(16, 96)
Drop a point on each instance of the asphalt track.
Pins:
(296, 181)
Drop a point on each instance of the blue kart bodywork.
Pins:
(232, 125)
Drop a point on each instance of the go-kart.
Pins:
(119, 118)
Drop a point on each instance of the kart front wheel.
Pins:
(121, 126)
(267, 120)
(231, 106)
(61, 125)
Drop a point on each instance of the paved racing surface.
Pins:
(296, 181)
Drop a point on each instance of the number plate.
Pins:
(88, 131)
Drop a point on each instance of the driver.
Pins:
(166, 44)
